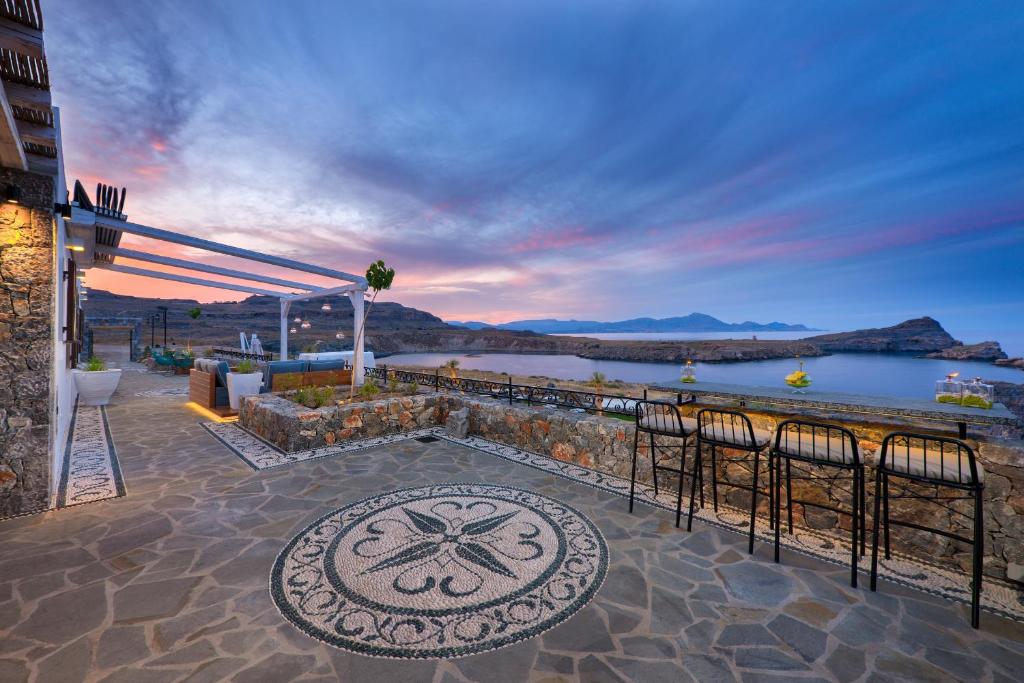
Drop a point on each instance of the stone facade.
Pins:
(606, 444)
(26, 344)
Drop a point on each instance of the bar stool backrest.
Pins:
(725, 426)
(935, 459)
(658, 417)
(817, 441)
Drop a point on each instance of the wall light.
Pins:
(76, 244)
(12, 194)
(325, 307)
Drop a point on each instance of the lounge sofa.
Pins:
(208, 384)
(281, 375)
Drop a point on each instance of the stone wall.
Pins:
(606, 444)
(294, 427)
(26, 305)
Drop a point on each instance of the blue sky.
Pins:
(839, 164)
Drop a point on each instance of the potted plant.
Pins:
(799, 379)
(95, 383)
(245, 380)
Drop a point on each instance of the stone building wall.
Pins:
(606, 444)
(26, 344)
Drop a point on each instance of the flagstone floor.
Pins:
(170, 582)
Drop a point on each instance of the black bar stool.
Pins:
(820, 445)
(661, 418)
(730, 429)
(943, 463)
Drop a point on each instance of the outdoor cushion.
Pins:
(280, 367)
(318, 365)
(817, 448)
(222, 373)
(948, 468)
(667, 424)
(221, 396)
(740, 436)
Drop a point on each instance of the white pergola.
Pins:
(96, 235)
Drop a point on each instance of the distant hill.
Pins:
(917, 335)
(694, 322)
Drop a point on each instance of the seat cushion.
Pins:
(318, 365)
(666, 424)
(818, 447)
(221, 396)
(739, 436)
(222, 369)
(951, 467)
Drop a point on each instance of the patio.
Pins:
(170, 582)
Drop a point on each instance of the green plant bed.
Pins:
(975, 402)
(689, 380)
(948, 399)
(800, 384)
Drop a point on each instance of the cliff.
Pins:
(920, 335)
(986, 351)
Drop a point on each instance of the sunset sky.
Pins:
(838, 164)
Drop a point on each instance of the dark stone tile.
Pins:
(745, 634)
(585, 631)
(846, 663)
(649, 671)
(593, 670)
(756, 584)
(121, 645)
(63, 617)
(626, 585)
(147, 601)
(70, 664)
(506, 665)
(650, 648)
(669, 613)
(766, 658)
(808, 641)
(559, 664)
(707, 668)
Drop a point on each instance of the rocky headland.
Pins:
(393, 328)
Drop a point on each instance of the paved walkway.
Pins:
(170, 582)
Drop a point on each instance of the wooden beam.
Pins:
(26, 96)
(201, 267)
(345, 289)
(21, 38)
(209, 245)
(12, 152)
(129, 270)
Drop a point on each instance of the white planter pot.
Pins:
(240, 385)
(96, 388)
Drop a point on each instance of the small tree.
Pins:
(452, 367)
(194, 314)
(379, 277)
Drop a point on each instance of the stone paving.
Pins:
(170, 583)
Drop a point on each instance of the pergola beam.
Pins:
(344, 289)
(131, 270)
(213, 270)
(209, 245)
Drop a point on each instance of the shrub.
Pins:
(411, 388)
(246, 367)
(208, 353)
(369, 389)
(314, 397)
(392, 382)
(95, 364)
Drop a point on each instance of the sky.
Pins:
(837, 164)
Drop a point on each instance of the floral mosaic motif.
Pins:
(91, 471)
(440, 571)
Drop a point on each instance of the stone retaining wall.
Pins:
(606, 444)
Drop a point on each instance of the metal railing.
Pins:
(591, 402)
(242, 355)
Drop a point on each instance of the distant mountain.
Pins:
(695, 322)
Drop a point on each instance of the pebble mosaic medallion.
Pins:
(439, 571)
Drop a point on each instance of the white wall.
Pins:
(62, 389)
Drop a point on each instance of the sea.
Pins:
(875, 374)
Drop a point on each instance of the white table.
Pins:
(340, 355)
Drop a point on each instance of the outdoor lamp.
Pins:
(12, 194)
(76, 244)
(306, 325)
(326, 307)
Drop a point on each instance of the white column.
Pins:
(285, 306)
(358, 335)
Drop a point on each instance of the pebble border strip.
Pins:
(91, 471)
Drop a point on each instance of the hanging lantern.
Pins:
(326, 307)
(298, 319)
(339, 336)
(293, 330)
(306, 325)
